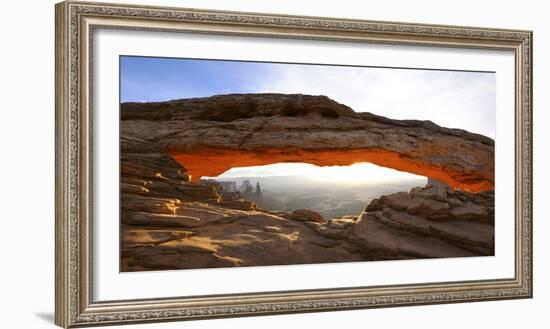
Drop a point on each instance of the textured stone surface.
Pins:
(170, 222)
(305, 215)
(430, 221)
(211, 135)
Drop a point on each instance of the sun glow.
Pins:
(357, 173)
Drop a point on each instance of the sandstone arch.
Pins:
(169, 222)
(211, 135)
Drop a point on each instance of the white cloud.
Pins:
(464, 100)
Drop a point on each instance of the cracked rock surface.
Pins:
(168, 221)
(211, 135)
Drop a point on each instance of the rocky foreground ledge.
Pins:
(169, 222)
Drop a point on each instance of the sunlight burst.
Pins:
(357, 173)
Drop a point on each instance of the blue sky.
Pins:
(465, 100)
(158, 79)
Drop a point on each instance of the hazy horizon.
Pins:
(330, 198)
(355, 174)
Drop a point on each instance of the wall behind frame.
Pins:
(27, 166)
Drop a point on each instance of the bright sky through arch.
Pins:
(357, 173)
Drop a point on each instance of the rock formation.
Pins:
(211, 135)
(429, 221)
(171, 222)
(228, 186)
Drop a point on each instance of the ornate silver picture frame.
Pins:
(76, 23)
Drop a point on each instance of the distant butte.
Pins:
(211, 135)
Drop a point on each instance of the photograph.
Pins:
(216, 162)
(227, 163)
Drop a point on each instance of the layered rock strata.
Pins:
(211, 135)
(170, 221)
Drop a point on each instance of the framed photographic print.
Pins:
(219, 164)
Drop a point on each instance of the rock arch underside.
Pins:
(173, 221)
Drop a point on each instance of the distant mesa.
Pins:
(228, 186)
